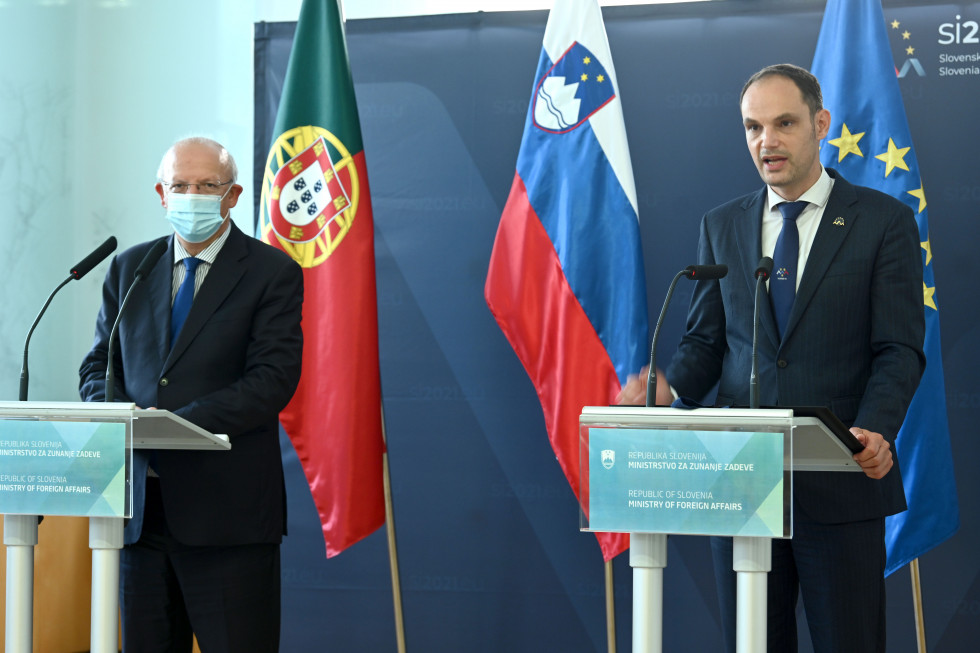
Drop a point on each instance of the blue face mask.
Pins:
(195, 218)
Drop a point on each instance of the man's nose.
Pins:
(769, 138)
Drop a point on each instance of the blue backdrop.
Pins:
(491, 558)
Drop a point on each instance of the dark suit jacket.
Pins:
(234, 366)
(853, 342)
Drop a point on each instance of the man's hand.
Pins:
(876, 459)
(634, 393)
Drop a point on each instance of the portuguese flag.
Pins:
(315, 206)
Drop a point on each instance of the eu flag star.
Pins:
(894, 157)
(926, 245)
(847, 143)
(929, 295)
(919, 194)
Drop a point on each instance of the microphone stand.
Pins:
(143, 269)
(110, 390)
(761, 275)
(652, 373)
(82, 268)
(698, 273)
(24, 373)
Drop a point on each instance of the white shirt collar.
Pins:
(818, 193)
(207, 255)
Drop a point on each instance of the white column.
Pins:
(752, 561)
(20, 538)
(648, 558)
(105, 538)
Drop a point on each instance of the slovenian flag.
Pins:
(870, 143)
(566, 281)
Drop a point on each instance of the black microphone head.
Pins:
(86, 264)
(706, 272)
(764, 269)
(150, 259)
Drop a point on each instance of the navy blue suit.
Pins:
(853, 343)
(233, 367)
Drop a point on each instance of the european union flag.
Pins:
(870, 143)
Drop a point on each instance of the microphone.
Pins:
(149, 260)
(762, 273)
(85, 266)
(77, 272)
(705, 272)
(698, 273)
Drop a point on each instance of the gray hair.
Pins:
(224, 156)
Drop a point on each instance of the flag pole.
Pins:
(396, 586)
(610, 609)
(920, 622)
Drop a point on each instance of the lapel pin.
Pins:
(839, 221)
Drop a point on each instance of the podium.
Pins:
(652, 472)
(74, 459)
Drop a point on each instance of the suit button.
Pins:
(164, 382)
(780, 364)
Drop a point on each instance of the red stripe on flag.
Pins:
(334, 419)
(542, 319)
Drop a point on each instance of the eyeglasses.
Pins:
(204, 188)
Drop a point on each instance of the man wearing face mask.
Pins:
(213, 335)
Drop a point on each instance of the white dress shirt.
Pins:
(772, 220)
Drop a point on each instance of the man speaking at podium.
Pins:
(845, 333)
(213, 335)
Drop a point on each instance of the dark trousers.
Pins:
(840, 571)
(229, 596)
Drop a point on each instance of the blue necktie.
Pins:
(786, 257)
(183, 299)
